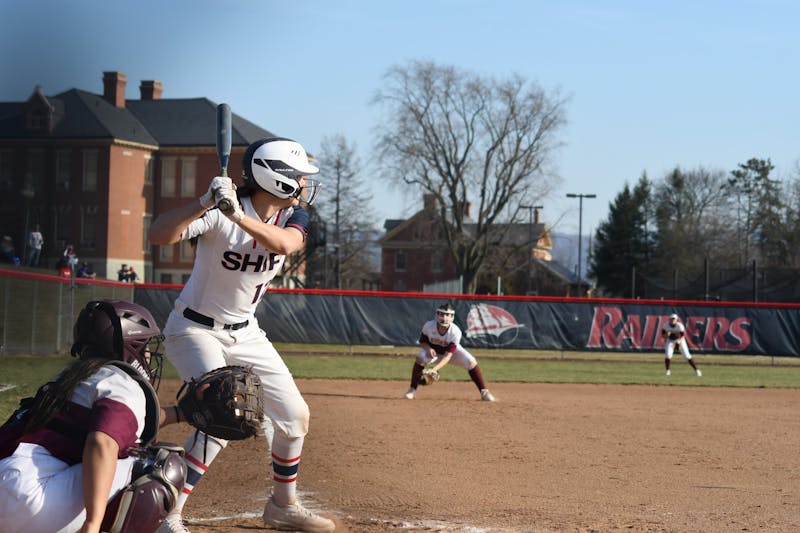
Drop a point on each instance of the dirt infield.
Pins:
(544, 458)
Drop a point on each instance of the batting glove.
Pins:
(218, 186)
(235, 213)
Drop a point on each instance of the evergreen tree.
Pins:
(623, 242)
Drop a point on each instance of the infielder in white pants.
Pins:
(213, 322)
(675, 335)
(440, 344)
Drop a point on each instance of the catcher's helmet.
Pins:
(125, 331)
(445, 314)
(275, 165)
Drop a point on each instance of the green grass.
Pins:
(26, 373)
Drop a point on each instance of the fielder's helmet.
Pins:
(275, 165)
(445, 314)
(116, 329)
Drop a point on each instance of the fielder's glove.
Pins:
(218, 187)
(232, 406)
(429, 377)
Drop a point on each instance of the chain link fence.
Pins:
(38, 311)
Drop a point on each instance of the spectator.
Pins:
(7, 254)
(86, 271)
(62, 267)
(133, 277)
(35, 243)
(123, 273)
(70, 256)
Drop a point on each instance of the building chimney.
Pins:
(468, 210)
(535, 216)
(114, 88)
(151, 90)
(429, 201)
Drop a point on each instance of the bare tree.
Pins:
(693, 215)
(468, 140)
(346, 213)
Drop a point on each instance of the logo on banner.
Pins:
(492, 324)
(612, 328)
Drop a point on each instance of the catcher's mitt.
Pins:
(429, 377)
(232, 406)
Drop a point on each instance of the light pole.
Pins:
(530, 209)
(580, 231)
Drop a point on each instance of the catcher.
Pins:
(675, 335)
(81, 455)
(440, 343)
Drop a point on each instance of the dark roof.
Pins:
(390, 223)
(561, 271)
(164, 122)
(190, 122)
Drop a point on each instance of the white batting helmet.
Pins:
(275, 165)
(673, 316)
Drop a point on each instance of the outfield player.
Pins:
(213, 322)
(67, 461)
(675, 335)
(440, 344)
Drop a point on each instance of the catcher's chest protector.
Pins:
(153, 414)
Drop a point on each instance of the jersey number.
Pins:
(261, 289)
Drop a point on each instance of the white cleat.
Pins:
(487, 396)
(668, 372)
(295, 517)
(410, 394)
(172, 524)
(698, 373)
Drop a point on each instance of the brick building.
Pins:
(414, 254)
(94, 169)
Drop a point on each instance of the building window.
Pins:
(437, 261)
(89, 227)
(148, 169)
(146, 221)
(166, 252)
(61, 225)
(168, 177)
(62, 170)
(400, 261)
(187, 252)
(188, 176)
(166, 278)
(35, 176)
(6, 170)
(185, 278)
(90, 170)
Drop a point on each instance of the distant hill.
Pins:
(565, 250)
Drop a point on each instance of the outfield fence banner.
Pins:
(387, 318)
(31, 304)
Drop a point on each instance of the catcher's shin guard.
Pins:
(156, 482)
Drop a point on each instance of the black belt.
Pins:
(194, 316)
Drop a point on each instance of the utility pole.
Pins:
(580, 231)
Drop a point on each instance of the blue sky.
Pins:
(650, 85)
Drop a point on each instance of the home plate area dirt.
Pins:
(543, 458)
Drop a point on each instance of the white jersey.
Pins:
(231, 270)
(442, 343)
(676, 331)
